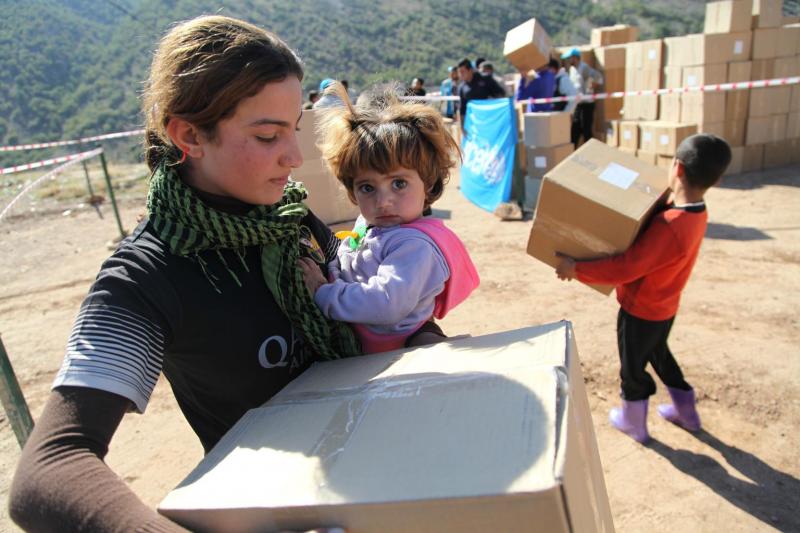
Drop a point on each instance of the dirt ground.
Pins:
(737, 336)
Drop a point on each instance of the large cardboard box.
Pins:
(669, 135)
(593, 204)
(777, 154)
(707, 49)
(728, 16)
(542, 159)
(787, 67)
(549, 128)
(527, 46)
(763, 130)
(790, 33)
(753, 158)
(490, 433)
(736, 101)
(648, 136)
(769, 101)
(737, 158)
(617, 34)
(651, 158)
(765, 43)
(793, 125)
(612, 133)
(702, 107)
(767, 13)
(629, 134)
(610, 57)
(327, 197)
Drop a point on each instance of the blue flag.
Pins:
(489, 150)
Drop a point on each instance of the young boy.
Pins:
(649, 278)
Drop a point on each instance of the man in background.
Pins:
(449, 87)
(585, 79)
(475, 86)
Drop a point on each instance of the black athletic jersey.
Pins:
(223, 352)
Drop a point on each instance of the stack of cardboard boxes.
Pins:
(546, 139)
(743, 40)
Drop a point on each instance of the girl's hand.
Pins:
(311, 274)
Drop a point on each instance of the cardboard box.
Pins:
(651, 158)
(648, 136)
(794, 100)
(763, 69)
(625, 150)
(522, 157)
(644, 55)
(702, 107)
(728, 16)
(669, 107)
(737, 101)
(765, 43)
(617, 34)
(489, 433)
(777, 154)
(767, 13)
(769, 101)
(793, 125)
(610, 57)
(550, 128)
(593, 204)
(640, 107)
(735, 131)
(787, 67)
(669, 135)
(707, 49)
(737, 158)
(700, 75)
(664, 161)
(542, 159)
(763, 130)
(327, 197)
(612, 133)
(753, 158)
(527, 46)
(629, 134)
(790, 33)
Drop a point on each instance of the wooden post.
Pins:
(13, 400)
(122, 232)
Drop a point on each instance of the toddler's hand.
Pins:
(311, 274)
(566, 267)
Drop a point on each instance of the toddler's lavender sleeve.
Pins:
(411, 274)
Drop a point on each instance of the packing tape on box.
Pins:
(357, 401)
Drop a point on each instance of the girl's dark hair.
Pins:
(202, 69)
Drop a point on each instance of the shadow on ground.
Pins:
(767, 494)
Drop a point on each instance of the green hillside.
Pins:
(75, 67)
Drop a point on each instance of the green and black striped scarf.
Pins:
(190, 227)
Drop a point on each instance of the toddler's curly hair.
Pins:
(382, 133)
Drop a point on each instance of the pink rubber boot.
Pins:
(631, 419)
(682, 410)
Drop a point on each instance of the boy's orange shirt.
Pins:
(651, 274)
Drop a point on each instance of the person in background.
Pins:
(417, 87)
(395, 269)
(475, 86)
(350, 92)
(541, 86)
(650, 277)
(206, 290)
(564, 87)
(585, 79)
(313, 96)
(449, 87)
(327, 98)
(487, 69)
(478, 63)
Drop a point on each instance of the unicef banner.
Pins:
(488, 152)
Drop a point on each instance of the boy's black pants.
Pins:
(640, 342)
(582, 122)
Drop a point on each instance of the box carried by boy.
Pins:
(489, 433)
(593, 204)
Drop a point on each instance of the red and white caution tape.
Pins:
(71, 160)
(717, 87)
(47, 162)
(37, 146)
(644, 92)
